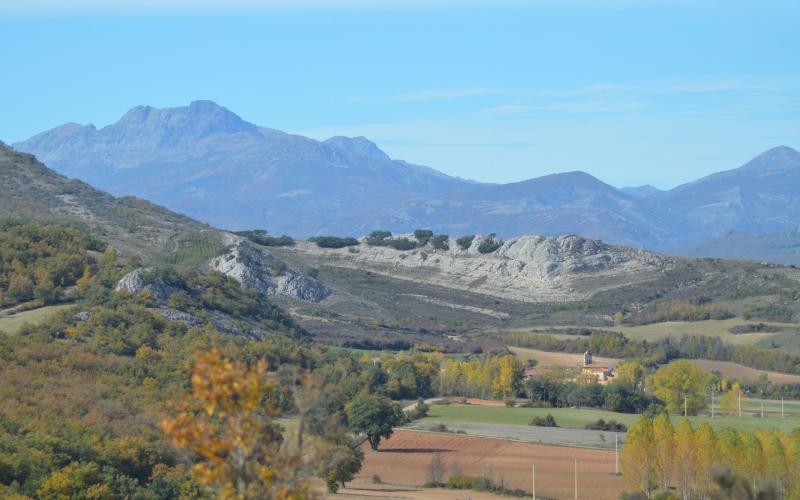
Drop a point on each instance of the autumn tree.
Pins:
(76, 480)
(732, 400)
(631, 372)
(340, 460)
(686, 452)
(680, 385)
(705, 451)
(374, 415)
(638, 468)
(664, 450)
(775, 456)
(227, 426)
(509, 376)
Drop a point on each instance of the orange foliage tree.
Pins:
(226, 424)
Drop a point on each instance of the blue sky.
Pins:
(658, 92)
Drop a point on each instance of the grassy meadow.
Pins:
(709, 328)
(11, 324)
(579, 417)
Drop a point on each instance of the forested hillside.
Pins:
(82, 394)
(31, 190)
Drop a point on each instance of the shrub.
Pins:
(465, 241)
(376, 479)
(440, 242)
(458, 481)
(262, 238)
(490, 244)
(419, 411)
(771, 312)
(547, 421)
(423, 235)
(334, 242)
(378, 238)
(461, 482)
(401, 244)
(602, 425)
(754, 328)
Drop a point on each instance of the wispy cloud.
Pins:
(614, 98)
(430, 95)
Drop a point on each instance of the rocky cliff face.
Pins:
(249, 264)
(256, 268)
(142, 279)
(529, 268)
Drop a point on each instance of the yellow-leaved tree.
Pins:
(664, 448)
(509, 376)
(638, 468)
(680, 385)
(731, 400)
(226, 423)
(686, 458)
(705, 456)
(630, 372)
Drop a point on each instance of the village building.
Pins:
(601, 372)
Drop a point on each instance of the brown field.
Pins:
(733, 370)
(365, 489)
(545, 358)
(404, 460)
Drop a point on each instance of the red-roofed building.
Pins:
(601, 372)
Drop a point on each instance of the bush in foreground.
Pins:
(546, 421)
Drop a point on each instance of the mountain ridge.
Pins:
(205, 161)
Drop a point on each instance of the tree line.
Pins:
(41, 261)
(616, 344)
(701, 463)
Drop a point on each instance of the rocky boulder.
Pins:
(142, 279)
(254, 267)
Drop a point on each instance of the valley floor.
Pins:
(405, 459)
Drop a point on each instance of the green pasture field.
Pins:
(579, 417)
(13, 323)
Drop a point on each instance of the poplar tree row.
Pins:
(658, 456)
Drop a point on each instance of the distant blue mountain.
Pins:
(644, 191)
(205, 161)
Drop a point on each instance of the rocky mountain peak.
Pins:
(780, 158)
(195, 121)
(356, 146)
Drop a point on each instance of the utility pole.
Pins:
(740, 404)
(781, 406)
(576, 478)
(685, 407)
(762, 408)
(712, 403)
(616, 453)
(533, 479)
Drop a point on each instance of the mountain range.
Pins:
(205, 161)
(411, 287)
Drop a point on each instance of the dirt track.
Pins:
(404, 459)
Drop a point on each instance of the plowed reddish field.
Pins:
(406, 456)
